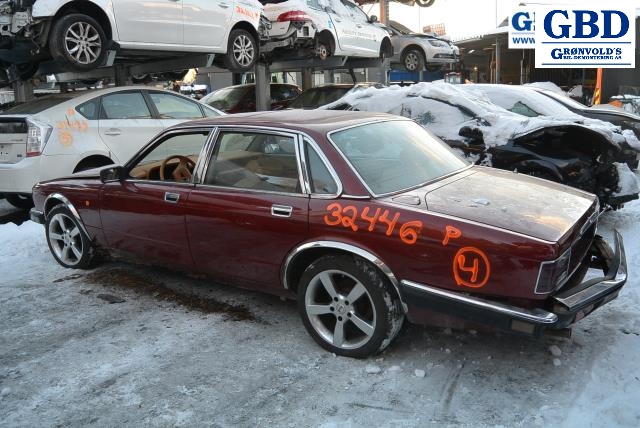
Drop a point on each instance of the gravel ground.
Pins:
(131, 345)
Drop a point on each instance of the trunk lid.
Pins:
(534, 207)
(13, 138)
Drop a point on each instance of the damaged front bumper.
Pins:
(598, 287)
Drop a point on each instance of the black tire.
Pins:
(68, 243)
(412, 60)
(358, 328)
(86, 35)
(24, 202)
(242, 51)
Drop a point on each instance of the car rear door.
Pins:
(149, 21)
(173, 109)
(144, 214)
(249, 211)
(126, 123)
(207, 23)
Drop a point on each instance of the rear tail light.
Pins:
(37, 136)
(293, 15)
(553, 274)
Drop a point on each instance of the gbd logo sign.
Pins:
(575, 36)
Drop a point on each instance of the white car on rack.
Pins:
(323, 28)
(78, 33)
(60, 134)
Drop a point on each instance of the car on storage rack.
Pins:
(324, 28)
(415, 51)
(78, 34)
(557, 149)
(242, 98)
(60, 134)
(318, 206)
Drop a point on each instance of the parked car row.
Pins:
(365, 218)
(588, 154)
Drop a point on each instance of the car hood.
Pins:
(519, 203)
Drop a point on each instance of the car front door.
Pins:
(144, 214)
(149, 21)
(126, 123)
(207, 23)
(249, 211)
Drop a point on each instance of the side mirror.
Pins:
(373, 19)
(115, 173)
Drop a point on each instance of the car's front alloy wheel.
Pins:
(413, 60)
(69, 244)
(78, 42)
(242, 51)
(348, 307)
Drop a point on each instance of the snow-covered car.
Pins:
(324, 28)
(416, 52)
(560, 150)
(57, 135)
(530, 102)
(318, 206)
(606, 112)
(78, 34)
(242, 98)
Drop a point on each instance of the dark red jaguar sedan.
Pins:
(365, 218)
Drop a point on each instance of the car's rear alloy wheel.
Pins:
(68, 243)
(413, 60)
(242, 51)
(79, 42)
(348, 307)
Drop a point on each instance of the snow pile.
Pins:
(627, 180)
(630, 103)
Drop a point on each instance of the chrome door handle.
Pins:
(223, 5)
(112, 132)
(281, 210)
(172, 198)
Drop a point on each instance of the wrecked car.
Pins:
(323, 28)
(559, 150)
(318, 206)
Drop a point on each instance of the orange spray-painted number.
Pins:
(471, 267)
(337, 215)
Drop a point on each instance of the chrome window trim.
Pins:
(67, 205)
(363, 182)
(256, 191)
(344, 247)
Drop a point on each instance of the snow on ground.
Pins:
(218, 356)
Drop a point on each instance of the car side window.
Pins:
(172, 107)
(173, 159)
(89, 110)
(254, 161)
(321, 180)
(125, 105)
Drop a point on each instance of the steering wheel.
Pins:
(182, 171)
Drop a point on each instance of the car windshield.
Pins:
(396, 155)
(525, 102)
(316, 97)
(226, 98)
(40, 104)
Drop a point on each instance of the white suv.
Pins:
(60, 134)
(325, 28)
(78, 33)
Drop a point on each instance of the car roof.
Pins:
(299, 120)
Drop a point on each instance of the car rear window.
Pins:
(39, 104)
(395, 155)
